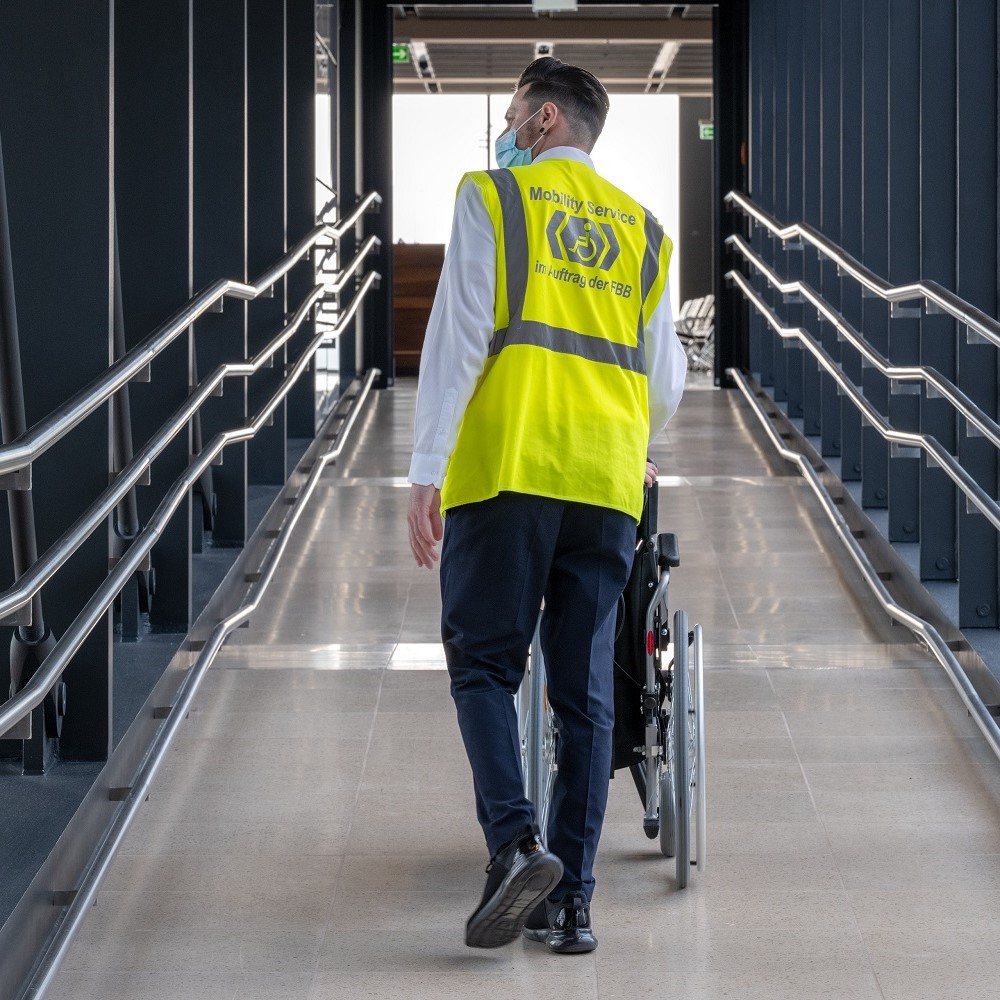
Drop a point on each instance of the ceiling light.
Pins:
(539, 6)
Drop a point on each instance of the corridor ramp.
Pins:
(312, 833)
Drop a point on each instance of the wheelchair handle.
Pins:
(668, 550)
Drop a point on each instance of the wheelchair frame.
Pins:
(670, 774)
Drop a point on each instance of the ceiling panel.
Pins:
(623, 11)
(467, 48)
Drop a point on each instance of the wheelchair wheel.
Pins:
(538, 736)
(697, 738)
(681, 750)
(550, 750)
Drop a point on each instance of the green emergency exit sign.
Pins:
(706, 130)
(400, 53)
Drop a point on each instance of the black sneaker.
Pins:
(570, 932)
(521, 874)
(536, 927)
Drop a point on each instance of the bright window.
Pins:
(437, 137)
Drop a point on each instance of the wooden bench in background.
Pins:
(416, 271)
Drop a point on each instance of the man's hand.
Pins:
(423, 518)
(651, 471)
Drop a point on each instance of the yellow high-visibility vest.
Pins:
(560, 409)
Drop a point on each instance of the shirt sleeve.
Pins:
(457, 340)
(666, 365)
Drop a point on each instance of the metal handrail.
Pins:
(926, 632)
(59, 553)
(59, 944)
(896, 373)
(938, 298)
(33, 693)
(976, 495)
(23, 450)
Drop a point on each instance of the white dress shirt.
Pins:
(460, 327)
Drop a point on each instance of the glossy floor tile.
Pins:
(312, 833)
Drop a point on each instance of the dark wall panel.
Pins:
(758, 110)
(875, 236)
(152, 119)
(875, 121)
(376, 175)
(730, 73)
(55, 120)
(851, 219)
(812, 165)
(904, 257)
(694, 241)
(220, 241)
(938, 495)
(348, 168)
(266, 229)
(779, 125)
(976, 279)
(830, 126)
(791, 165)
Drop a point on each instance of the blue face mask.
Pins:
(505, 147)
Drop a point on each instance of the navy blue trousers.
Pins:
(499, 559)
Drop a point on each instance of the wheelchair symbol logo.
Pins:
(581, 240)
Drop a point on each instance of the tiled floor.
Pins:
(312, 836)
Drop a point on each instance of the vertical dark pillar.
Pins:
(694, 241)
(875, 198)
(55, 119)
(977, 283)
(266, 220)
(938, 495)
(829, 219)
(348, 143)
(812, 161)
(791, 268)
(780, 125)
(757, 160)
(904, 257)
(301, 193)
(219, 244)
(152, 190)
(851, 219)
(376, 173)
(766, 155)
(731, 74)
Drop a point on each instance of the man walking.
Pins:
(550, 362)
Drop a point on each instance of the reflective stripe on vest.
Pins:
(554, 338)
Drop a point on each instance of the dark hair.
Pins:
(577, 93)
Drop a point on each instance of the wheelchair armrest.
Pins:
(668, 550)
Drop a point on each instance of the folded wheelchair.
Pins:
(659, 732)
